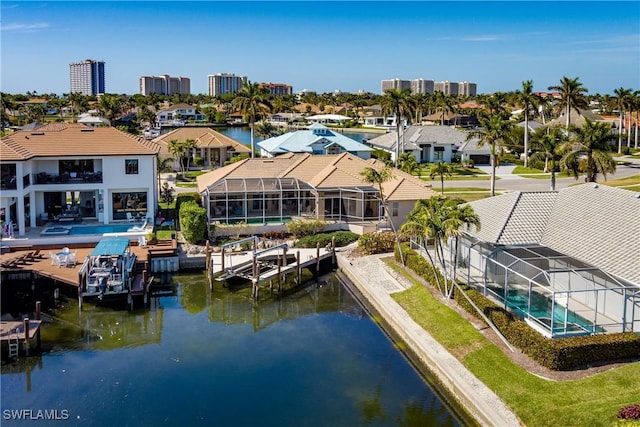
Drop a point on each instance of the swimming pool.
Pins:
(83, 230)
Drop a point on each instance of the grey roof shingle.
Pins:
(597, 224)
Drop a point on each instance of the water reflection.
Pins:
(196, 357)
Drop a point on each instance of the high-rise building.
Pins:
(277, 88)
(421, 86)
(396, 84)
(164, 85)
(222, 83)
(446, 87)
(467, 89)
(87, 77)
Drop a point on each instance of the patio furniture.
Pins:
(130, 217)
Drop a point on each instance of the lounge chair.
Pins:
(142, 242)
(142, 227)
(72, 259)
(130, 217)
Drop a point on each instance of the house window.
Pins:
(131, 166)
(438, 154)
(394, 208)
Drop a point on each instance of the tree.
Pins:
(189, 146)
(111, 106)
(396, 102)
(252, 100)
(145, 114)
(407, 163)
(266, 130)
(379, 177)
(178, 149)
(166, 193)
(527, 100)
(440, 169)
(588, 151)
(571, 95)
(548, 145)
(623, 101)
(493, 131)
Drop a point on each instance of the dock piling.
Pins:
(26, 335)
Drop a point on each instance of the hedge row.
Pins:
(343, 238)
(557, 354)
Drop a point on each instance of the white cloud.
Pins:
(25, 27)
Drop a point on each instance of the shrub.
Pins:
(166, 193)
(193, 222)
(184, 197)
(376, 243)
(305, 227)
(343, 238)
(630, 412)
(274, 235)
(236, 158)
(198, 161)
(557, 354)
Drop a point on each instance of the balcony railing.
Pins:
(67, 177)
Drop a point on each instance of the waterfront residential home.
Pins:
(67, 172)
(565, 261)
(178, 114)
(428, 144)
(318, 139)
(213, 147)
(302, 185)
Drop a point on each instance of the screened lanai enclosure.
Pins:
(278, 200)
(555, 294)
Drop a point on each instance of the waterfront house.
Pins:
(178, 114)
(427, 143)
(67, 172)
(318, 139)
(323, 187)
(565, 261)
(213, 147)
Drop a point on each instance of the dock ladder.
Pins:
(14, 343)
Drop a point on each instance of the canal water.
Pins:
(311, 358)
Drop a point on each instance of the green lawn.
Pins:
(592, 401)
(459, 174)
(628, 183)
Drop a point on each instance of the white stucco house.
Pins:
(428, 144)
(179, 113)
(68, 172)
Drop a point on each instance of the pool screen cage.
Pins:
(264, 200)
(556, 294)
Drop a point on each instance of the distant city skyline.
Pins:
(323, 46)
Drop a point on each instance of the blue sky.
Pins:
(323, 46)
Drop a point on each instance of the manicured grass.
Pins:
(592, 401)
(459, 174)
(630, 181)
(468, 194)
(164, 234)
(186, 184)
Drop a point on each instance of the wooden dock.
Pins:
(19, 337)
(260, 267)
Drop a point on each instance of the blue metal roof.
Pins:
(112, 246)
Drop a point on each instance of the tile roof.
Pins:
(321, 171)
(594, 223)
(66, 139)
(420, 135)
(301, 141)
(203, 136)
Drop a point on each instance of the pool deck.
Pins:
(42, 263)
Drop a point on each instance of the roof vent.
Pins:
(37, 133)
(86, 130)
(595, 185)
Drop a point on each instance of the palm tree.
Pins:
(623, 101)
(440, 169)
(527, 100)
(379, 177)
(588, 151)
(178, 149)
(266, 129)
(548, 145)
(459, 216)
(78, 102)
(396, 102)
(493, 131)
(252, 100)
(189, 146)
(407, 163)
(571, 95)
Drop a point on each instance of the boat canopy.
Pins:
(113, 246)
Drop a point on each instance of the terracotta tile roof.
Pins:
(321, 171)
(203, 136)
(65, 139)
